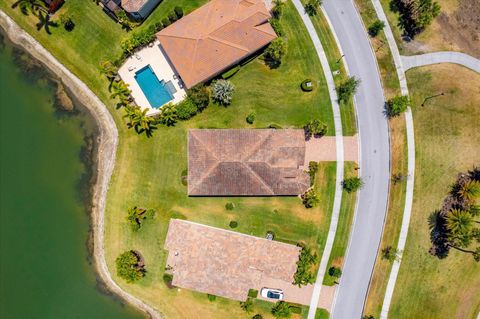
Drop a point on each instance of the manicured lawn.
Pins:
(446, 138)
(148, 170)
(332, 52)
(347, 209)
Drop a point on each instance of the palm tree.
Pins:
(168, 115)
(140, 121)
(108, 69)
(45, 22)
(459, 223)
(120, 90)
(470, 190)
(33, 6)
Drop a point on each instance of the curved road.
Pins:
(375, 160)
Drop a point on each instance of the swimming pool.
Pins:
(155, 90)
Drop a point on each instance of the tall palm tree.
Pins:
(470, 191)
(459, 223)
(33, 6)
(140, 121)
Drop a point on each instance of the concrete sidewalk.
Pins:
(441, 57)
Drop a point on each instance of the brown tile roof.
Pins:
(246, 162)
(216, 36)
(225, 263)
(133, 5)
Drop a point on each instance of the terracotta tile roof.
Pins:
(225, 263)
(216, 36)
(133, 5)
(246, 162)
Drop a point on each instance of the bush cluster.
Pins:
(375, 28)
(312, 171)
(397, 105)
(129, 266)
(352, 184)
(310, 198)
(200, 96)
(186, 109)
(304, 274)
(315, 128)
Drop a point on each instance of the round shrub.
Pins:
(166, 22)
(186, 109)
(178, 11)
(250, 118)
(222, 92)
(172, 16)
(233, 224)
(130, 266)
(307, 85)
(397, 105)
(352, 184)
(200, 96)
(335, 272)
(230, 206)
(211, 298)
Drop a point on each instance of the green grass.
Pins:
(347, 210)
(148, 170)
(332, 52)
(446, 140)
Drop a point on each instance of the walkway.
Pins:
(410, 157)
(340, 158)
(441, 57)
(374, 159)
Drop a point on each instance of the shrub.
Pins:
(231, 72)
(137, 215)
(166, 22)
(233, 224)
(281, 310)
(222, 92)
(389, 253)
(247, 305)
(253, 293)
(275, 52)
(315, 128)
(277, 27)
(310, 198)
(397, 105)
(178, 11)
(277, 10)
(186, 109)
(138, 39)
(375, 28)
(250, 118)
(312, 171)
(158, 26)
(307, 85)
(335, 272)
(352, 184)
(211, 298)
(311, 7)
(168, 115)
(347, 89)
(200, 96)
(184, 177)
(304, 274)
(129, 266)
(172, 16)
(229, 206)
(167, 280)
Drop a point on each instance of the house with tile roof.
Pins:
(246, 162)
(215, 37)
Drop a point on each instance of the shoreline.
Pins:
(107, 142)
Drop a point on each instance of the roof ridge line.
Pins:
(215, 38)
(200, 181)
(257, 28)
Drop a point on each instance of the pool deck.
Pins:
(150, 55)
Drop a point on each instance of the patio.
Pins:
(152, 56)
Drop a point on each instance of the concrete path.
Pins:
(339, 158)
(374, 159)
(410, 157)
(441, 57)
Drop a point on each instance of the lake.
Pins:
(45, 269)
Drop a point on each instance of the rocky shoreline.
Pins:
(107, 141)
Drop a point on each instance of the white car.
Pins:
(270, 293)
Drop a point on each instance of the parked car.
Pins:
(270, 293)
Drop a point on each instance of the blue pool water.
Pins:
(154, 89)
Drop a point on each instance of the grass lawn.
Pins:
(446, 138)
(332, 52)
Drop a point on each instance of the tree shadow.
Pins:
(438, 235)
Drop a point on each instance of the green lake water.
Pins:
(45, 270)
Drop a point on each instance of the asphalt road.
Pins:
(375, 167)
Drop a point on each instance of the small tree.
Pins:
(310, 198)
(275, 52)
(347, 89)
(304, 274)
(389, 253)
(222, 92)
(397, 105)
(250, 118)
(312, 6)
(335, 272)
(247, 305)
(139, 120)
(315, 128)
(200, 96)
(108, 69)
(281, 310)
(136, 216)
(129, 266)
(168, 115)
(375, 28)
(352, 184)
